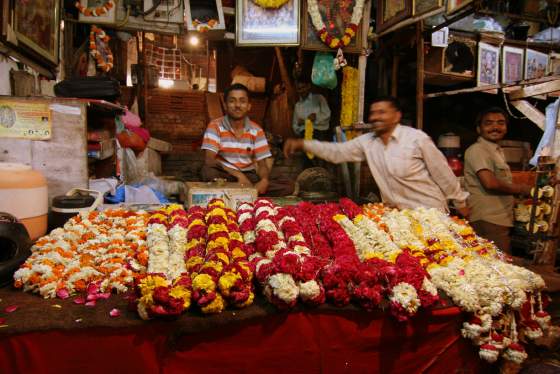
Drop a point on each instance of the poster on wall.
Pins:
(337, 16)
(25, 120)
(390, 12)
(258, 26)
(36, 25)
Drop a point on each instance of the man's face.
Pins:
(493, 127)
(237, 104)
(303, 89)
(384, 117)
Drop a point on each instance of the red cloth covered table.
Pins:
(324, 340)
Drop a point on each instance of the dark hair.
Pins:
(388, 99)
(494, 109)
(235, 87)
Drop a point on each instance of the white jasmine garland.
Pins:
(283, 287)
(405, 295)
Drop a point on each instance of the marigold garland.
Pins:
(326, 37)
(97, 11)
(308, 135)
(98, 33)
(349, 105)
(271, 4)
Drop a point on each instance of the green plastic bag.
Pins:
(323, 73)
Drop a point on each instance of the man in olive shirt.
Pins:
(488, 180)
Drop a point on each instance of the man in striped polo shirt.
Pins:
(236, 147)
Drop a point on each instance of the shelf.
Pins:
(510, 86)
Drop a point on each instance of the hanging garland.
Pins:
(95, 12)
(350, 94)
(202, 26)
(349, 31)
(96, 34)
(271, 4)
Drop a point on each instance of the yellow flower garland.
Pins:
(350, 96)
(271, 4)
(308, 135)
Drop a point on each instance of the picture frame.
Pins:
(456, 5)
(192, 11)
(390, 12)
(108, 18)
(420, 7)
(257, 26)
(554, 64)
(310, 40)
(37, 28)
(513, 60)
(536, 64)
(464, 66)
(488, 64)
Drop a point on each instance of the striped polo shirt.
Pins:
(234, 152)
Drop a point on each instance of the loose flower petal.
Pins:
(79, 300)
(11, 309)
(115, 312)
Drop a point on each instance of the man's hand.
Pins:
(243, 180)
(312, 117)
(465, 212)
(262, 186)
(291, 146)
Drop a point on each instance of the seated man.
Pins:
(236, 147)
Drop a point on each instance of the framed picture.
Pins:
(488, 67)
(455, 5)
(390, 12)
(36, 26)
(257, 26)
(309, 38)
(512, 64)
(424, 6)
(536, 64)
(460, 56)
(204, 13)
(554, 64)
(107, 18)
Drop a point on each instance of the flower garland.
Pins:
(349, 31)
(95, 34)
(105, 249)
(271, 4)
(308, 135)
(350, 94)
(95, 12)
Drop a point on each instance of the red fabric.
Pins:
(297, 342)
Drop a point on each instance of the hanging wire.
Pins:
(508, 107)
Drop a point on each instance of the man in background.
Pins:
(311, 106)
(489, 182)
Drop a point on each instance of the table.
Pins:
(43, 336)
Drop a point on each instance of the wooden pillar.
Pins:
(420, 74)
(395, 74)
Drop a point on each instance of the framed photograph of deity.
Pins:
(488, 67)
(554, 64)
(258, 26)
(536, 64)
(512, 64)
(390, 12)
(36, 26)
(456, 5)
(420, 7)
(335, 15)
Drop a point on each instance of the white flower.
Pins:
(283, 287)
(405, 295)
(309, 290)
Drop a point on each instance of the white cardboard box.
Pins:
(200, 193)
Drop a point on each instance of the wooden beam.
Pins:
(395, 75)
(530, 112)
(409, 21)
(420, 74)
(537, 89)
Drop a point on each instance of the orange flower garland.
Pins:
(95, 12)
(349, 31)
(97, 33)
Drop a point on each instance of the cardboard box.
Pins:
(149, 161)
(101, 150)
(200, 193)
(159, 145)
(254, 84)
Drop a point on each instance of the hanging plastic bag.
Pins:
(323, 73)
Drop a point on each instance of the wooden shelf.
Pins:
(445, 80)
(510, 86)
